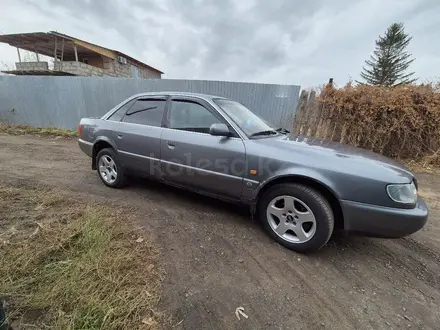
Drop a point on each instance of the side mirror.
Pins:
(219, 130)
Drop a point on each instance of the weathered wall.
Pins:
(96, 61)
(150, 73)
(110, 68)
(63, 101)
(108, 64)
(122, 70)
(80, 69)
(25, 66)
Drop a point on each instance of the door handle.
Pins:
(171, 144)
(119, 135)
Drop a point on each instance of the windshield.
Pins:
(249, 122)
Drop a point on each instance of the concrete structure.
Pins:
(110, 68)
(25, 66)
(74, 57)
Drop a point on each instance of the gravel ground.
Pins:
(217, 259)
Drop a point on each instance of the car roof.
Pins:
(198, 95)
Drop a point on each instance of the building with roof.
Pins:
(74, 57)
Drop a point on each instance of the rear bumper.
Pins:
(379, 221)
(86, 147)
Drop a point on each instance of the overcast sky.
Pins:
(277, 41)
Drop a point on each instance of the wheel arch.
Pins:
(101, 143)
(318, 185)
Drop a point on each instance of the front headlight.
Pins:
(403, 193)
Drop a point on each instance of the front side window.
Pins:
(249, 122)
(146, 112)
(190, 116)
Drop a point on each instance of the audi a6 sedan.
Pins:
(299, 188)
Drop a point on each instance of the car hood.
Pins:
(325, 153)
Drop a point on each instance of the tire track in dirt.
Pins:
(217, 259)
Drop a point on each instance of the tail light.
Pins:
(79, 130)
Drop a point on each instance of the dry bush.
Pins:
(401, 122)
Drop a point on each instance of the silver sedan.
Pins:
(300, 188)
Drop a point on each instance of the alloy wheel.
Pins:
(291, 219)
(107, 169)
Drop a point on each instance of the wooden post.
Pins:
(310, 113)
(76, 52)
(18, 52)
(314, 122)
(62, 55)
(38, 58)
(55, 55)
(299, 112)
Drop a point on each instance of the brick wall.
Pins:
(122, 70)
(81, 69)
(110, 68)
(150, 73)
(108, 64)
(116, 69)
(96, 61)
(37, 66)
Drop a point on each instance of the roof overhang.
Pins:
(46, 43)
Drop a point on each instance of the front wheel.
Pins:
(296, 216)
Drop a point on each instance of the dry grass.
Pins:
(25, 129)
(66, 265)
(426, 164)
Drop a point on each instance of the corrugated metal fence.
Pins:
(63, 101)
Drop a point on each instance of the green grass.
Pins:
(76, 267)
(25, 129)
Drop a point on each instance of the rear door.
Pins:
(194, 158)
(139, 134)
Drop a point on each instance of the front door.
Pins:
(139, 135)
(190, 156)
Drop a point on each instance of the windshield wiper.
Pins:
(268, 132)
(282, 130)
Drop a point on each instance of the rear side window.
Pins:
(117, 116)
(146, 112)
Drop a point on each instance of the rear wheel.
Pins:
(296, 216)
(109, 168)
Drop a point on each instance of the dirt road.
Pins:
(217, 259)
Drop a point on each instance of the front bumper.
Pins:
(380, 221)
(86, 147)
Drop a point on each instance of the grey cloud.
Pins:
(109, 14)
(231, 39)
(278, 41)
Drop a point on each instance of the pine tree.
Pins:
(389, 62)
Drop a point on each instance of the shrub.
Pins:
(402, 122)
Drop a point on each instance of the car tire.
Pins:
(113, 173)
(309, 221)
